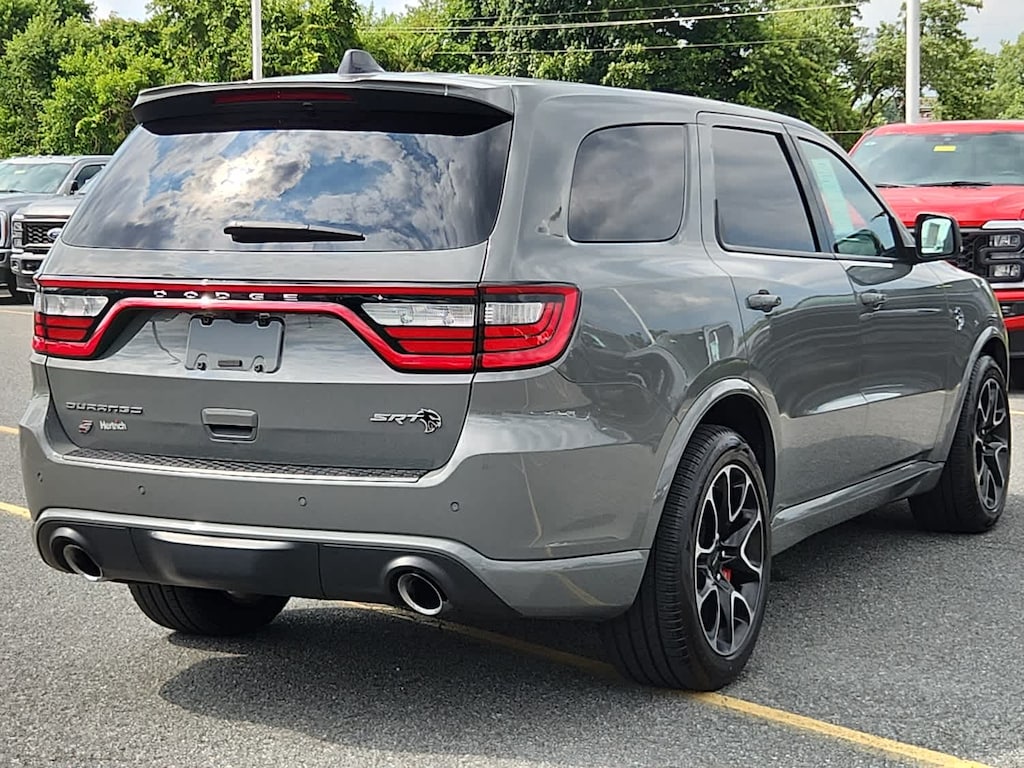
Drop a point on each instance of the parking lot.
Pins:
(882, 646)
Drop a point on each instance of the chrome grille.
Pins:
(34, 235)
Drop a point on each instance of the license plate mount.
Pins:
(223, 344)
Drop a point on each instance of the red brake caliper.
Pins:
(727, 573)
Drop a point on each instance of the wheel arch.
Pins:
(991, 342)
(735, 404)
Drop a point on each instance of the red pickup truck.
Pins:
(974, 172)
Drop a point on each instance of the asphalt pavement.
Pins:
(882, 646)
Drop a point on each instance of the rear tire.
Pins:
(205, 611)
(687, 628)
(972, 489)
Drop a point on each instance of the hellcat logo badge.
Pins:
(431, 420)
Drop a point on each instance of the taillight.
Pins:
(415, 329)
(62, 320)
(525, 326)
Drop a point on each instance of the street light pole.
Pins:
(257, 40)
(913, 61)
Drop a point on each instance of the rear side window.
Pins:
(400, 188)
(759, 202)
(627, 185)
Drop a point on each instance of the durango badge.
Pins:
(431, 420)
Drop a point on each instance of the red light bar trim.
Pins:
(370, 336)
(424, 349)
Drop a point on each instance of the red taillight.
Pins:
(526, 326)
(416, 329)
(64, 322)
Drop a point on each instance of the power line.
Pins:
(616, 23)
(614, 49)
(638, 9)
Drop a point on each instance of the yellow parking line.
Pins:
(1017, 413)
(8, 430)
(15, 312)
(11, 509)
(859, 739)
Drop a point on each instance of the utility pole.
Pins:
(913, 61)
(257, 40)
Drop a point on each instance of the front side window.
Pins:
(759, 203)
(627, 185)
(860, 225)
(40, 178)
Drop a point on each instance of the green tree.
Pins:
(1008, 93)
(90, 109)
(28, 68)
(209, 40)
(952, 66)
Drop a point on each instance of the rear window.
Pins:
(400, 190)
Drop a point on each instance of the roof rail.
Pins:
(358, 62)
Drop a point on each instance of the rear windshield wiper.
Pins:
(284, 232)
(956, 184)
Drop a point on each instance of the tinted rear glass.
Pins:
(627, 185)
(403, 191)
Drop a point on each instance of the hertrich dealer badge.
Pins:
(431, 420)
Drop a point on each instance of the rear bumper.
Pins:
(545, 515)
(340, 566)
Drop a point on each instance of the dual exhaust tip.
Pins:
(79, 561)
(420, 593)
(417, 590)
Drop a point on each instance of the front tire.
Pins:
(699, 610)
(972, 489)
(18, 297)
(205, 611)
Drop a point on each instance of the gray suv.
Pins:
(498, 346)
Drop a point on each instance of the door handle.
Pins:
(230, 424)
(873, 299)
(763, 301)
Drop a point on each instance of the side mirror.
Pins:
(937, 237)
(74, 186)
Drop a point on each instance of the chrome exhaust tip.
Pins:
(420, 594)
(80, 562)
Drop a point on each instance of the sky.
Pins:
(999, 20)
